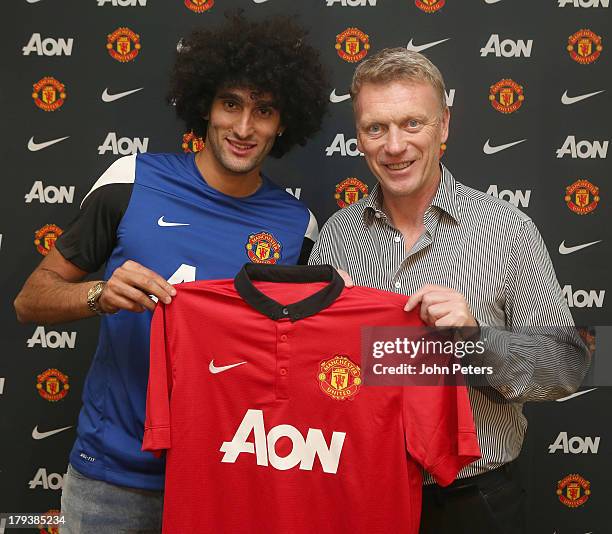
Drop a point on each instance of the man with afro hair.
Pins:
(249, 89)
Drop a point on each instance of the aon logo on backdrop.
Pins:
(583, 149)
(48, 46)
(296, 191)
(50, 194)
(52, 339)
(123, 3)
(123, 145)
(575, 445)
(516, 198)
(351, 3)
(303, 451)
(507, 47)
(52, 481)
(345, 147)
(584, 3)
(582, 298)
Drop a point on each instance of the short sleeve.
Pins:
(439, 428)
(92, 235)
(157, 436)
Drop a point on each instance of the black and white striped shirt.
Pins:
(494, 255)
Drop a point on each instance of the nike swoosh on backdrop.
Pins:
(32, 1)
(107, 97)
(568, 250)
(334, 98)
(492, 1)
(215, 370)
(568, 100)
(34, 147)
(161, 222)
(419, 48)
(488, 149)
(42, 435)
(259, 1)
(574, 395)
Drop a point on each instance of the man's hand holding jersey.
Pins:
(130, 288)
(442, 307)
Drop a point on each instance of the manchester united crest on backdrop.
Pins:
(192, 143)
(506, 96)
(123, 44)
(582, 197)
(45, 238)
(199, 6)
(49, 94)
(352, 45)
(584, 46)
(573, 490)
(52, 385)
(350, 191)
(430, 6)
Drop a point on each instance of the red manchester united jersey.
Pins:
(256, 395)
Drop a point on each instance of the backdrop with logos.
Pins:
(529, 85)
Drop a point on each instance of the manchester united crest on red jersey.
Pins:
(430, 6)
(48, 93)
(506, 96)
(52, 385)
(263, 247)
(199, 6)
(573, 490)
(352, 45)
(123, 44)
(339, 377)
(584, 46)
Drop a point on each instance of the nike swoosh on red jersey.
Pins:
(216, 370)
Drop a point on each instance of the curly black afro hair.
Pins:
(270, 56)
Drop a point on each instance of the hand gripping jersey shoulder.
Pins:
(179, 227)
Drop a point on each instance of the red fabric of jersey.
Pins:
(254, 443)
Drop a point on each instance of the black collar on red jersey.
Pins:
(293, 274)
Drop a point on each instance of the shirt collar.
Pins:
(445, 199)
(288, 273)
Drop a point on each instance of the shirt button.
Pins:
(378, 215)
(283, 371)
(397, 239)
(283, 337)
(285, 311)
(398, 285)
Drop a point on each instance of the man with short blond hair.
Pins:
(468, 260)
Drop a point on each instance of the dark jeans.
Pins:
(492, 503)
